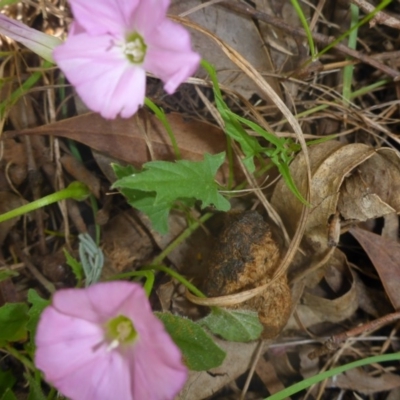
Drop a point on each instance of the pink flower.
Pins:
(112, 44)
(103, 342)
(39, 42)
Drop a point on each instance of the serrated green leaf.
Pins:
(144, 201)
(199, 350)
(38, 305)
(13, 320)
(8, 273)
(233, 325)
(155, 189)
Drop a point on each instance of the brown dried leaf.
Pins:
(384, 254)
(335, 187)
(229, 27)
(338, 306)
(333, 306)
(141, 138)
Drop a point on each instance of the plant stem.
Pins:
(75, 190)
(160, 114)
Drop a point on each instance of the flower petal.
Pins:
(157, 365)
(104, 16)
(98, 303)
(78, 361)
(65, 343)
(169, 55)
(148, 15)
(114, 86)
(39, 42)
(106, 378)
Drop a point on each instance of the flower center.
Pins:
(120, 330)
(134, 48)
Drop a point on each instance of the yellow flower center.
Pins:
(135, 48)
(120, 331)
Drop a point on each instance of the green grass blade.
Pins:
(307, 29)
(306, 383)
(367, 18)
(352, 44)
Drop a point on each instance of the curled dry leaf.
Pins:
(246, 256)
(350, 183)
(336, 302)
(340, 302)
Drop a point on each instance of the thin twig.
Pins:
(380, 18)
(318, 37)
(334, 341)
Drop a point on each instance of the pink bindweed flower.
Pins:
(39, 42)
(104, 343)
(111, 45)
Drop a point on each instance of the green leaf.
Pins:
(155, 189)
(8, 395)
(233, 325)
(7, 381)
(38, 305)
(8, 273)
(199, 350)
(35, 390)
(75, 265)
(13, 320)
(233, 128)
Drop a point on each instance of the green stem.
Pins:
(160, 114)
(178, 277)
(184, 235)
(76, 190)
(17, 354)
(149, 275)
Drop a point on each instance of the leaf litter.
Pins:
(352, 184)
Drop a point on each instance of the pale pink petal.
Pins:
(75, 357)
(108, 378)
(149, 15)
(155, 360)
(98, 303)
(104, 16)
(169, 55)
(101, 74)
(37, 41)
(65, 343)
(157, 365)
